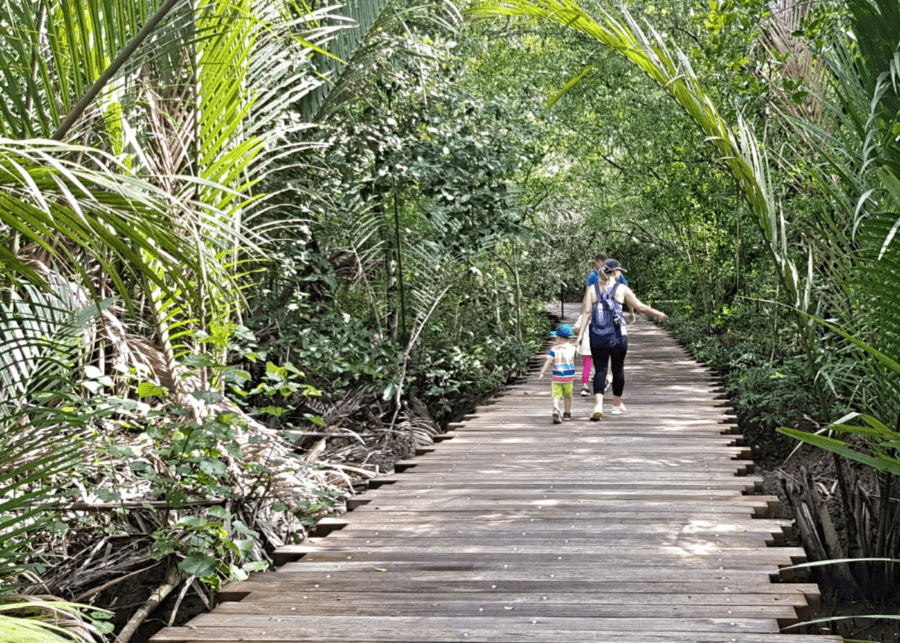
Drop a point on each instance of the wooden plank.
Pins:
(729, 487)
(783, 614)
(586, 444)
(437, 599)
(473, 635)
(574, 468)
(674, 426)
(608, 533)
(597, 495)
(332, 627)
(586, 475)
(687, 454)
(569, 549)
(418, 566)
(512, 470)
(600, 479)
(468, 505)
(670, 532)
(438, 499)
(544, 564)
(526, 517)
(673, 525)
(726, 583)
(520, 565)
(584, 435)
(487, 629)
(623, 461)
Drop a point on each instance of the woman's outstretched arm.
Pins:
(638, 306)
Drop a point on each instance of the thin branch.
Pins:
(412, 342)
(173, 578)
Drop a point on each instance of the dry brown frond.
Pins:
(800, 65)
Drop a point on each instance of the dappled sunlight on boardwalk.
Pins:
(645, 527)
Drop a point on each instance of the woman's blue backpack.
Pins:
(606, 318)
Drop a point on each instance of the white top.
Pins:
(585, 346)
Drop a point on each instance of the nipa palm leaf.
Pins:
(42, 421)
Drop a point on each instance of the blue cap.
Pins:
(612, 264)
(564, 331)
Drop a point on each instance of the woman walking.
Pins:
(584, 344)
(609, 332)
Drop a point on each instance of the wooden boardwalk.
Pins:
(642, 528)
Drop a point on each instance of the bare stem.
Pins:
(173, 578)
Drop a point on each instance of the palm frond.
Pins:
(66, 47)
(799, 82)
(23, 630)
(29, 619)
(358, 51)
(349, 31)
(40, 337)
(70, 211)
(858, 173)
(41, 422)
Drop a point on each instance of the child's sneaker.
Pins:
(619, 408)
(556, 419)
(567, 416)
(585, 392)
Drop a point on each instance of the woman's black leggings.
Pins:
(601, 355)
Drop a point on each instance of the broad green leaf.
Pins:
(198, 564)
(149, 389)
